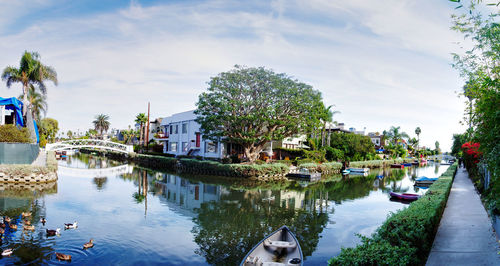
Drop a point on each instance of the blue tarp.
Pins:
(36, 131)
(15, 105)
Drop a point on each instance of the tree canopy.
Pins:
(251, 106)
(101, 123)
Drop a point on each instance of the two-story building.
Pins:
(181, 136)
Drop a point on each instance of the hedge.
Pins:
(236, 170)
(406, 237)
(324, 168)
(10, 133)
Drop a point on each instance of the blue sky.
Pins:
(381, 63)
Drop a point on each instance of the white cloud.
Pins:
(381, 64)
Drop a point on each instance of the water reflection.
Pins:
(140, 216)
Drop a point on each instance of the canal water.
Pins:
(138, 216)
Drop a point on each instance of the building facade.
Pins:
(180, 135)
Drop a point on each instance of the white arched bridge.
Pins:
(89, 143)
(95, 172)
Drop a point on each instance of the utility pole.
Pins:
(147, 130)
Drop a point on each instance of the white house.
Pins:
(182, 136)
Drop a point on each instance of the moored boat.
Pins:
(425, 180)
(304, 174)
(400, 166)
(407, 164)
(279, 248)
(405, 196)
(358, 170)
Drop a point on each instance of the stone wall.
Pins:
(26, 173)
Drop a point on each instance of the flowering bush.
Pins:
(472, 154)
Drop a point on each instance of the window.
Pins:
(166, 145)
(211, 147)
(171, 129)
(184, 128)
(173, 146)
(184, 146)
(176, 129)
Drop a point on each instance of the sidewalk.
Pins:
(465, 235)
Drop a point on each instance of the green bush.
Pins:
(333, 154)
(324, 168)
(10, 133)
(232, 170)
(406, 237)
(287, 162)
(317, 156)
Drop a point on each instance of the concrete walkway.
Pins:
(465, 235)
(41, 160)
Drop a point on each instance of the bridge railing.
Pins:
(90, 143)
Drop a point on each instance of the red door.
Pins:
(198, 139)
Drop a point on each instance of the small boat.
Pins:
(425, 180)
(400, 166)
(407, 164)
(346, 172)
(279, 248)
(415, 163)
(404, 196)
(358, 170)
(423, 161)
(380, 176)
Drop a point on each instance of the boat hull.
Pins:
(400, 166)
(281, 246)
(405, 196)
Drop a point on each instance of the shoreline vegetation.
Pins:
(406, 237)
(268, 171)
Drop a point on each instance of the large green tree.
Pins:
(101, 123)
(251, 106)
(48, 129)
(31, 72)
(353, 147)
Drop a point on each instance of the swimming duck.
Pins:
(6, 219)
(61, 256)
(2, 231)
(26, 214)
(2, 225)
(13, 226)
(27, 222)
(89, 244)
(43, 221)
(70, 226)
(7, 252)
(29, 227)
(53, 232)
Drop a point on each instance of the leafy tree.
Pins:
(438, 150)
(352, 147)
(101, 123)
(69, 134)
(37, 102)
(141, 119)
(251, 106)
(458, 140)
(49, 128)
(30, 72)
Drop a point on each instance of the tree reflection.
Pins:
(100, 182)
(226, 230)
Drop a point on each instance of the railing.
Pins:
(89, 143)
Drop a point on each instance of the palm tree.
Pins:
(37, 102)
(327, 119)
(69, 134)
(30, 72)
(101, 123)
(395, 135)
(141, 119)
(418, 131)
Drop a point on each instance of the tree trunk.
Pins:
(252, 152)
(140, 136)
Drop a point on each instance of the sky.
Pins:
(380, 63)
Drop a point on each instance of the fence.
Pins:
(18, 153)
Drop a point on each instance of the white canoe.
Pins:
(280, 248)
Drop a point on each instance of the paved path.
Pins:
(465, 235)
(41, 160)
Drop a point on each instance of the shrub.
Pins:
(406, 237)
(10, 133)
(333, 154)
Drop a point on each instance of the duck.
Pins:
(89, 244)
(29, 227)
(13, 226)
(26, 214)
(43, 221)
(7, 252)
(27, 222)
(70, 225)
(2, 231)
(2, 225)
(6, 219)
(61, 256)
(53, 232)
